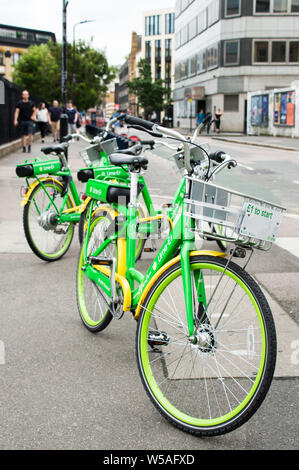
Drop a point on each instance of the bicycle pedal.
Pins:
(149, 250)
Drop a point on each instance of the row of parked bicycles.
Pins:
(205, 334)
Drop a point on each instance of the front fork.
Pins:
(192, 293)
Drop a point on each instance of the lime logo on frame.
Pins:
(45, 168)
(96, 191)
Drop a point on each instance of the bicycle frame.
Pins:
(181, 235)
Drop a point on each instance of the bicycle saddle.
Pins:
(60, 148)
(131, 150)
(134, 161)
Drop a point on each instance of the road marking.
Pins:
(245, 166)
(291, 244)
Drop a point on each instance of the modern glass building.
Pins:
(158, 44)
(226, 48)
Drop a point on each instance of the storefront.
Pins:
(274, 112)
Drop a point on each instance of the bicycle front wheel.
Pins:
(47, 239)
(93, 304)
(213, 382)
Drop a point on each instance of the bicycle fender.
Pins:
(25, 199)
(165, 267)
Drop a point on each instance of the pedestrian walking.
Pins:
(72, 116)
(154, 117)
(78, 120)
(25, 116)
(217, 118)
(54, 114)
(42, 119)
(200, 118)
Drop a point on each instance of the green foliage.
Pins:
(151, 95)
(39, 71)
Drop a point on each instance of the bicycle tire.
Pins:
(33, 229)
(197, 414)
(86, 289)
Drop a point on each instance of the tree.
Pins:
(39, 71)
(151, 95)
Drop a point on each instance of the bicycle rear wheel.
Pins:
(47, 239)
(214, 382)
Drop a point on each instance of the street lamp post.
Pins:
(63, 117)
(74, 53)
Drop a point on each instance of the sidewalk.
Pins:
(284, 143)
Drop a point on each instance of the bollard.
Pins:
(64, 129)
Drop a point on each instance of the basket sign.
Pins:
(260, 221)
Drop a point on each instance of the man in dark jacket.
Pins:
(25, 115)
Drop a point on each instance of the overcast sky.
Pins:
(114, 20)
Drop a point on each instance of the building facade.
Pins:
(128, 70)
(158, 44)
(227, 48)
(13, 43)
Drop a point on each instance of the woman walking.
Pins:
(42, 117)
(217, 118)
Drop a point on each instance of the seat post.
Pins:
(133, 188)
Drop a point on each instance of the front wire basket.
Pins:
(222, 214)
(91, 154)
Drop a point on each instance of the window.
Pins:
(169, 23)
(294, 51)
(231, 52)
(177, 39)
(280, 6)
(278, 51)
(202, 21)
(184, 35)
(148, 49)
(213, 12)
(152, 25)
(168, 48)
(201, 62)
(7, 33)
(193, 66)
(168, 72)
(231, 103)
(193, 28)
(158, 71)
(273, 51)
(212, 57)
(277, 6)
(158, 49)
(262, 6)
(232, 7)
(261, 51)
(295, 6)
(15, 57)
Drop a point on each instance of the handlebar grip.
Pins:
(134, 121)
(151, 143)
(217, 156)
(140, 128)
(67, 138)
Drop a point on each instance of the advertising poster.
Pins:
(291, 108)
(284, 109)
(259, 110)
(277, 109)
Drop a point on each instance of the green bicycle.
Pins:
(205, 339)
(52, 203)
